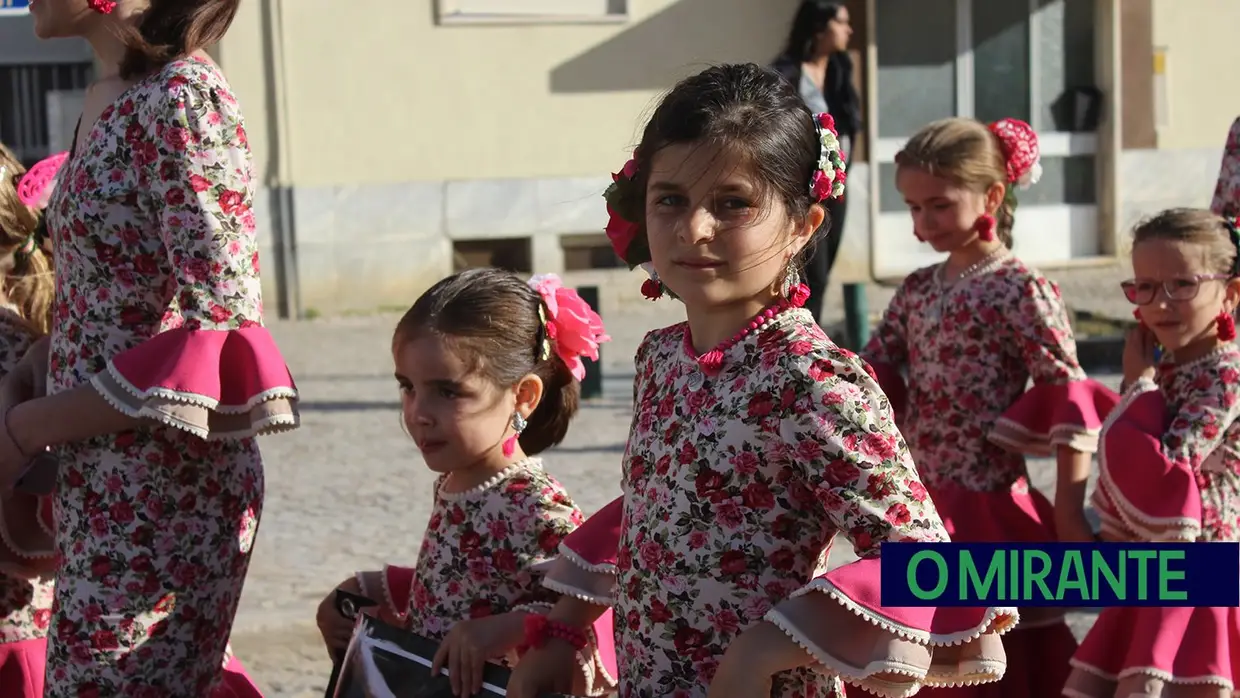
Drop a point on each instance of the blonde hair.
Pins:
(28, 283)
(1193, 226)
(967, 153)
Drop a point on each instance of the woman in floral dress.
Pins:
(160, 371)
(1169, 464)
(1227, 191)
(755, 440)
(971, 332)
(27, 546)
(489, 368)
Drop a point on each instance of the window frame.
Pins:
(479, 12)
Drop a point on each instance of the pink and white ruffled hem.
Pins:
(215, 384)
(1052, 415)
(1158, 652)
(27, 535)
(236, 683)
(1145, 497)
(891, 652)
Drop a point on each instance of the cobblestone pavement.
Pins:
(348, 491)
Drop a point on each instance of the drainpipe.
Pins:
(277, 173)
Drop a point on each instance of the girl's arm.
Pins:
(856, 463)
(214, 370)
(887, 350)
(1153, 461)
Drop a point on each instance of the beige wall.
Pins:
(381, 93)
(1202, 94)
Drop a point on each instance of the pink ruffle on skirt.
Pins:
(236, 682)
(22, 665)
(1037, 666)
(1051, 415)
(214, 384)
(1151, 652)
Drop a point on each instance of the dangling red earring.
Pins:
(1226, 326)
(103, 7)
(985, 227)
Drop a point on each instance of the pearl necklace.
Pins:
(977, 267)
(712, 361)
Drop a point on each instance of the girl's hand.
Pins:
(1139, 355)
(470, 643)
(752, 659)
(335, 628)
(548, 669)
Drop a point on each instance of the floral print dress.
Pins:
(1226, 200)
(158, 309)
(27, 555)
(484, 553)
(1169, 471)
(970, 349)
(735, 485)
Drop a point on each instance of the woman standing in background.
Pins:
(816, 61)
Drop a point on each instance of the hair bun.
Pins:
(1021, 154)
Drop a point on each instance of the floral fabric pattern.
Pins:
(735, 487)
(482, 550)
(25, 604)
(152, 230)
(1227, 192)
(970, 349)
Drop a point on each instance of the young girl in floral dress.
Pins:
(489, 369)
(1168, 461)
(971, 332)
(27, 542)
(754, 442)
(160, 372)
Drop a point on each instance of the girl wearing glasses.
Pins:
(1168, 458)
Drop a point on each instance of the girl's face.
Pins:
(58, 19)
(456, 415)
(944, 213)
(715, 238)
(1187, 313)
(834, 37)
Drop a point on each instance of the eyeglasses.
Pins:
(1181, 288)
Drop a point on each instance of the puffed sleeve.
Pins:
(213, 369)
(858, 465)
(1227, 192)
(887, 350)
(1151, 458)
(1064, 407)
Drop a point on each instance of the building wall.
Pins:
(1191, 112)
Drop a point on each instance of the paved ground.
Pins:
(348, 491)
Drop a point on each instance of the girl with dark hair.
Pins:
(159, 372)
(489, 369)
(755, 440)
(815, 61)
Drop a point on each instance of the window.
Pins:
(39, 106)
(530, 11)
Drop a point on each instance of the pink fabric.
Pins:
(34, 186)
(1020, 514)
(1150, 487)
(1185, 643)
(399, 583)
(1037, 666)
(1048, 408)
(605, 642)
(230, 366)
(893, 385)
(22, 666)
(236, 683)
(597, 539)
(861, 583)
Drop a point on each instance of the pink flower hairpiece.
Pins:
(37, 183)
(103, 7)
(827, 182)
(573, 329)
(1021, 154)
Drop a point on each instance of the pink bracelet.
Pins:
(539, 629)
